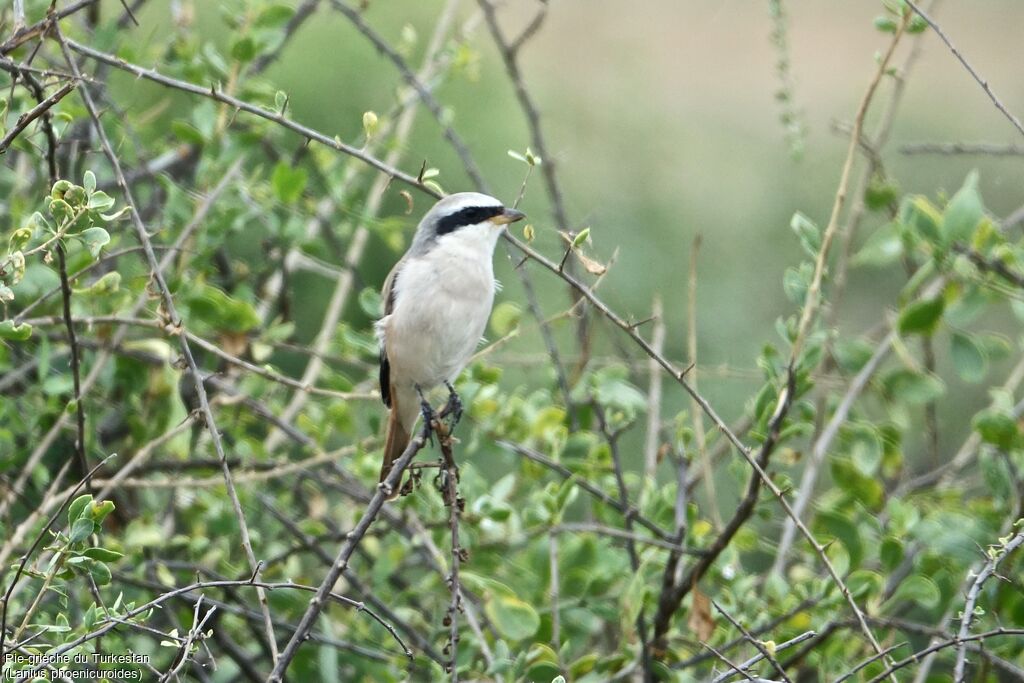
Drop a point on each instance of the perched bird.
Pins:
(437, 300)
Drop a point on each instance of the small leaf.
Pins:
(528, 233)
(20, 239)
(81, 530)
(280, 101)
(370, 123)
(288, 182)
(107, 284)
(8, 330)
(505, 318)
(517, 156)
(100, 201)
(513, 618)
(964, 211)
(883, 248)
(95, 239)
(996, 427)
(912, 387)
(102, 554)
(77, 505)
(921, 317)
(370, 302)
(61, 210)
(244, 49)
(807, 232)
(580, 237)
(89, 182)
(917, 590)
(968, 358)
(921, 217)
(100, 573)
(98, 511)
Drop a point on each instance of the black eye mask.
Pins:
(471, 215)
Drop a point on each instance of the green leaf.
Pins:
(20, 239)
(840, 526)
(77, 505)
(102, 554)
(244, 49)
(913, 388)
(370, 302)
(514, 619)
(100, 201)
(880, 193)
(61, 210)
(89, 183)
(8, 330)
(100, 573)
(891, 552)
(807, 232)
(81, 530)
(921, 217)
(107, 284)
(274, 16)
(883, 248)
(505, 318)
(964, 211)
(917, 590)
(186, 132)
(98, 511)
(221, 311)
(95, 239)
(288, 182)
(885, 24)
(921, 317)
(969, 358)
(581, 237)
(996, 427)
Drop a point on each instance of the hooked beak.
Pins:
(508, 216)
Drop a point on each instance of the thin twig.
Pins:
(996, 554)
(970, 69)
(963, 148)
(317, 604)
(170, 310)
(34, 113)
(758, 657)
(758, 645)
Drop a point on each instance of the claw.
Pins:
(453, 407)
(428, 415)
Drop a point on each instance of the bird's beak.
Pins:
(508, 216)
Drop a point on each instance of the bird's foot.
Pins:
(453, 408)
(429, 416)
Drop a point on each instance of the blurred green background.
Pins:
(664, 122)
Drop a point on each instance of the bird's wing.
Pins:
(388, 296)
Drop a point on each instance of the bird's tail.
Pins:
(397, 438)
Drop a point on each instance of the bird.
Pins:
(437, 301)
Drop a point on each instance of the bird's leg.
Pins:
(428, 414)
(453, 407)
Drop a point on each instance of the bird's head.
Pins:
(464, 216)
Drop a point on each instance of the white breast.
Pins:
(442, 303)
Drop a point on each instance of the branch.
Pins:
(172, 314)
(218, 96)
(996, 554)
(967, 65)
(34, 113)
(965, 148)
(761, 655)
(317, 604)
